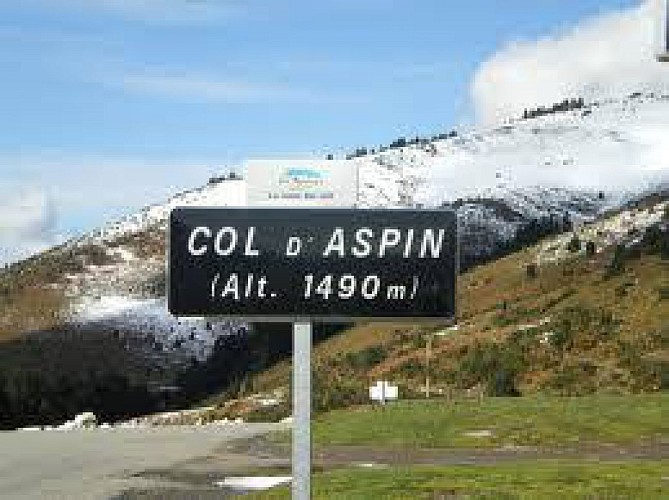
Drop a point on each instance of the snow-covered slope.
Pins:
(579, 162)
(582, 161)
(615, 146)
(228, 193)
(126, 291)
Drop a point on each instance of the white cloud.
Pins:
(27, 222)
(84, 192)
(26, 213)
(608, 55)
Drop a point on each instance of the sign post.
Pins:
(664, 55)
(302, 337)
(302, 183)
(312, 264)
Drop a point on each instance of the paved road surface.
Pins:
(108, 463)
(183, 463)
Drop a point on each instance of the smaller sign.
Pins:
(301, 183)
(383, 391)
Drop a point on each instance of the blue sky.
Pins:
(107, 105)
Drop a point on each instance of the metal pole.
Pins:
(302, 411)
(664, 55)
(666, 27)
(428, 355)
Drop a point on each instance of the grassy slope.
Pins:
(535, 480)
(33, 292)
(618, 327)
(495, 300)
(530, 421)
(618, 324)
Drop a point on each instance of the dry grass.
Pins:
(498, 300)
(32, 292)
(29, 309)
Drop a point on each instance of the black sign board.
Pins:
(317, 264)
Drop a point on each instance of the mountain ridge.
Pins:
(496, 180)
(512, 185)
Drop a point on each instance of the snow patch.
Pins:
(253, 483)
(150, 318)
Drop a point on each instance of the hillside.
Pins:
(545, 172)
(511, 186)
(576, 323)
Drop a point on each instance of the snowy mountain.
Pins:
(579, 162)
(89, 317)
(575, 164)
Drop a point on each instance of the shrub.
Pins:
(663, 292)
(590, 248)
(660, 338)
(494, 365)
(398, 143)
(574, 245)
(573, 379)
(621, 290)
(332, 390)
(582, 325)
(412, 368)
(663, 375)
(511, 316)
(617, 264)
(502, 383)
(96, 255)
(650, 373)
(656, 240)
(268, 413)
(366, 358)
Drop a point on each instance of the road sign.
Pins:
(323, 264)
(301, 183)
